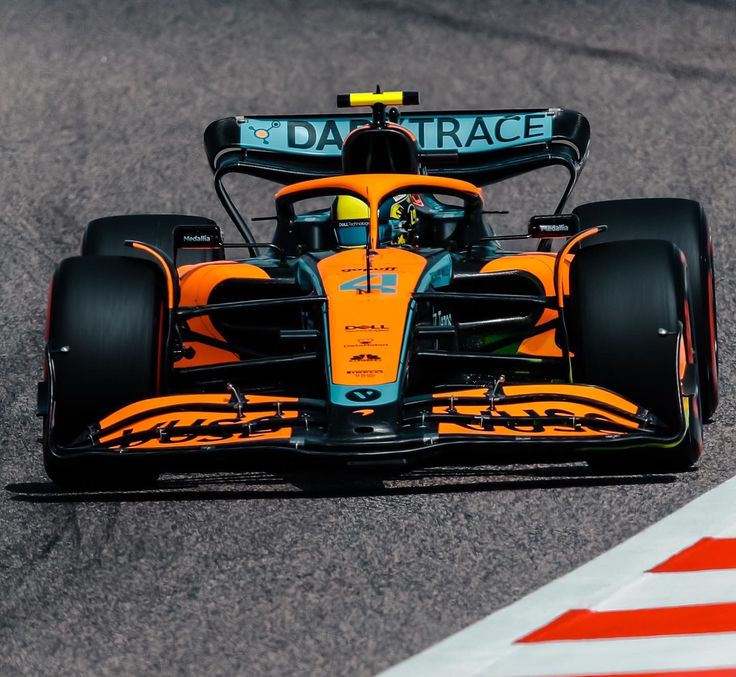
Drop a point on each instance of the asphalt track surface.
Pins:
(102, 107)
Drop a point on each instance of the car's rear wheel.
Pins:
(107, 236)
(106, 334)
(627, 314)
(682, 222)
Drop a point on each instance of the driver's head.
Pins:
(399, 215)
(351, 217)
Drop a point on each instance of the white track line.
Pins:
(655, 654)
(490, 640)
(674, 589)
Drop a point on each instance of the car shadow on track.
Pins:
(309, 485)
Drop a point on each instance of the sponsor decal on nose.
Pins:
(363, 394)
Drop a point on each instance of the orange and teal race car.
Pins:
(384, 323)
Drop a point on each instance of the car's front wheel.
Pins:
(629, 326)
(106, 344)
(683, 223)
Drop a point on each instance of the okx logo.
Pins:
(363, 394)
(381, 283)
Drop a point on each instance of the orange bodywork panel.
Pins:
(540, 265)
(151, 251)
(367, 328)
(594, 393)
(196, 284)
(192, 416)
(373, 187)
(584, 412)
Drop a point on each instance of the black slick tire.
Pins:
(106, 334)
(626, 315)
(682, 222)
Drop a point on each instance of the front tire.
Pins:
(683, 223)
(106, 339)
(627, 315)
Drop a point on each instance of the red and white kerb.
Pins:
(662, 603)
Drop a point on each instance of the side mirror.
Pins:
(554, 225)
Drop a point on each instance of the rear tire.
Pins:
(106, 331)
(622, 294)
(683, 223)
(107, 236)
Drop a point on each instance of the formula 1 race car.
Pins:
(384, 324)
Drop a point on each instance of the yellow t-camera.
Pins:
(357, 99)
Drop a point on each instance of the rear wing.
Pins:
(478, 146)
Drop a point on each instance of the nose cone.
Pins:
(368, 311)
(369, 424)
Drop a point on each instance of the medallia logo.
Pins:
(363, 394)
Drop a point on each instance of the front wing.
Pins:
(554, 421)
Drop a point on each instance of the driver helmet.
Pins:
(351, 216)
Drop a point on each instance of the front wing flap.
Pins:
(566, 416)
